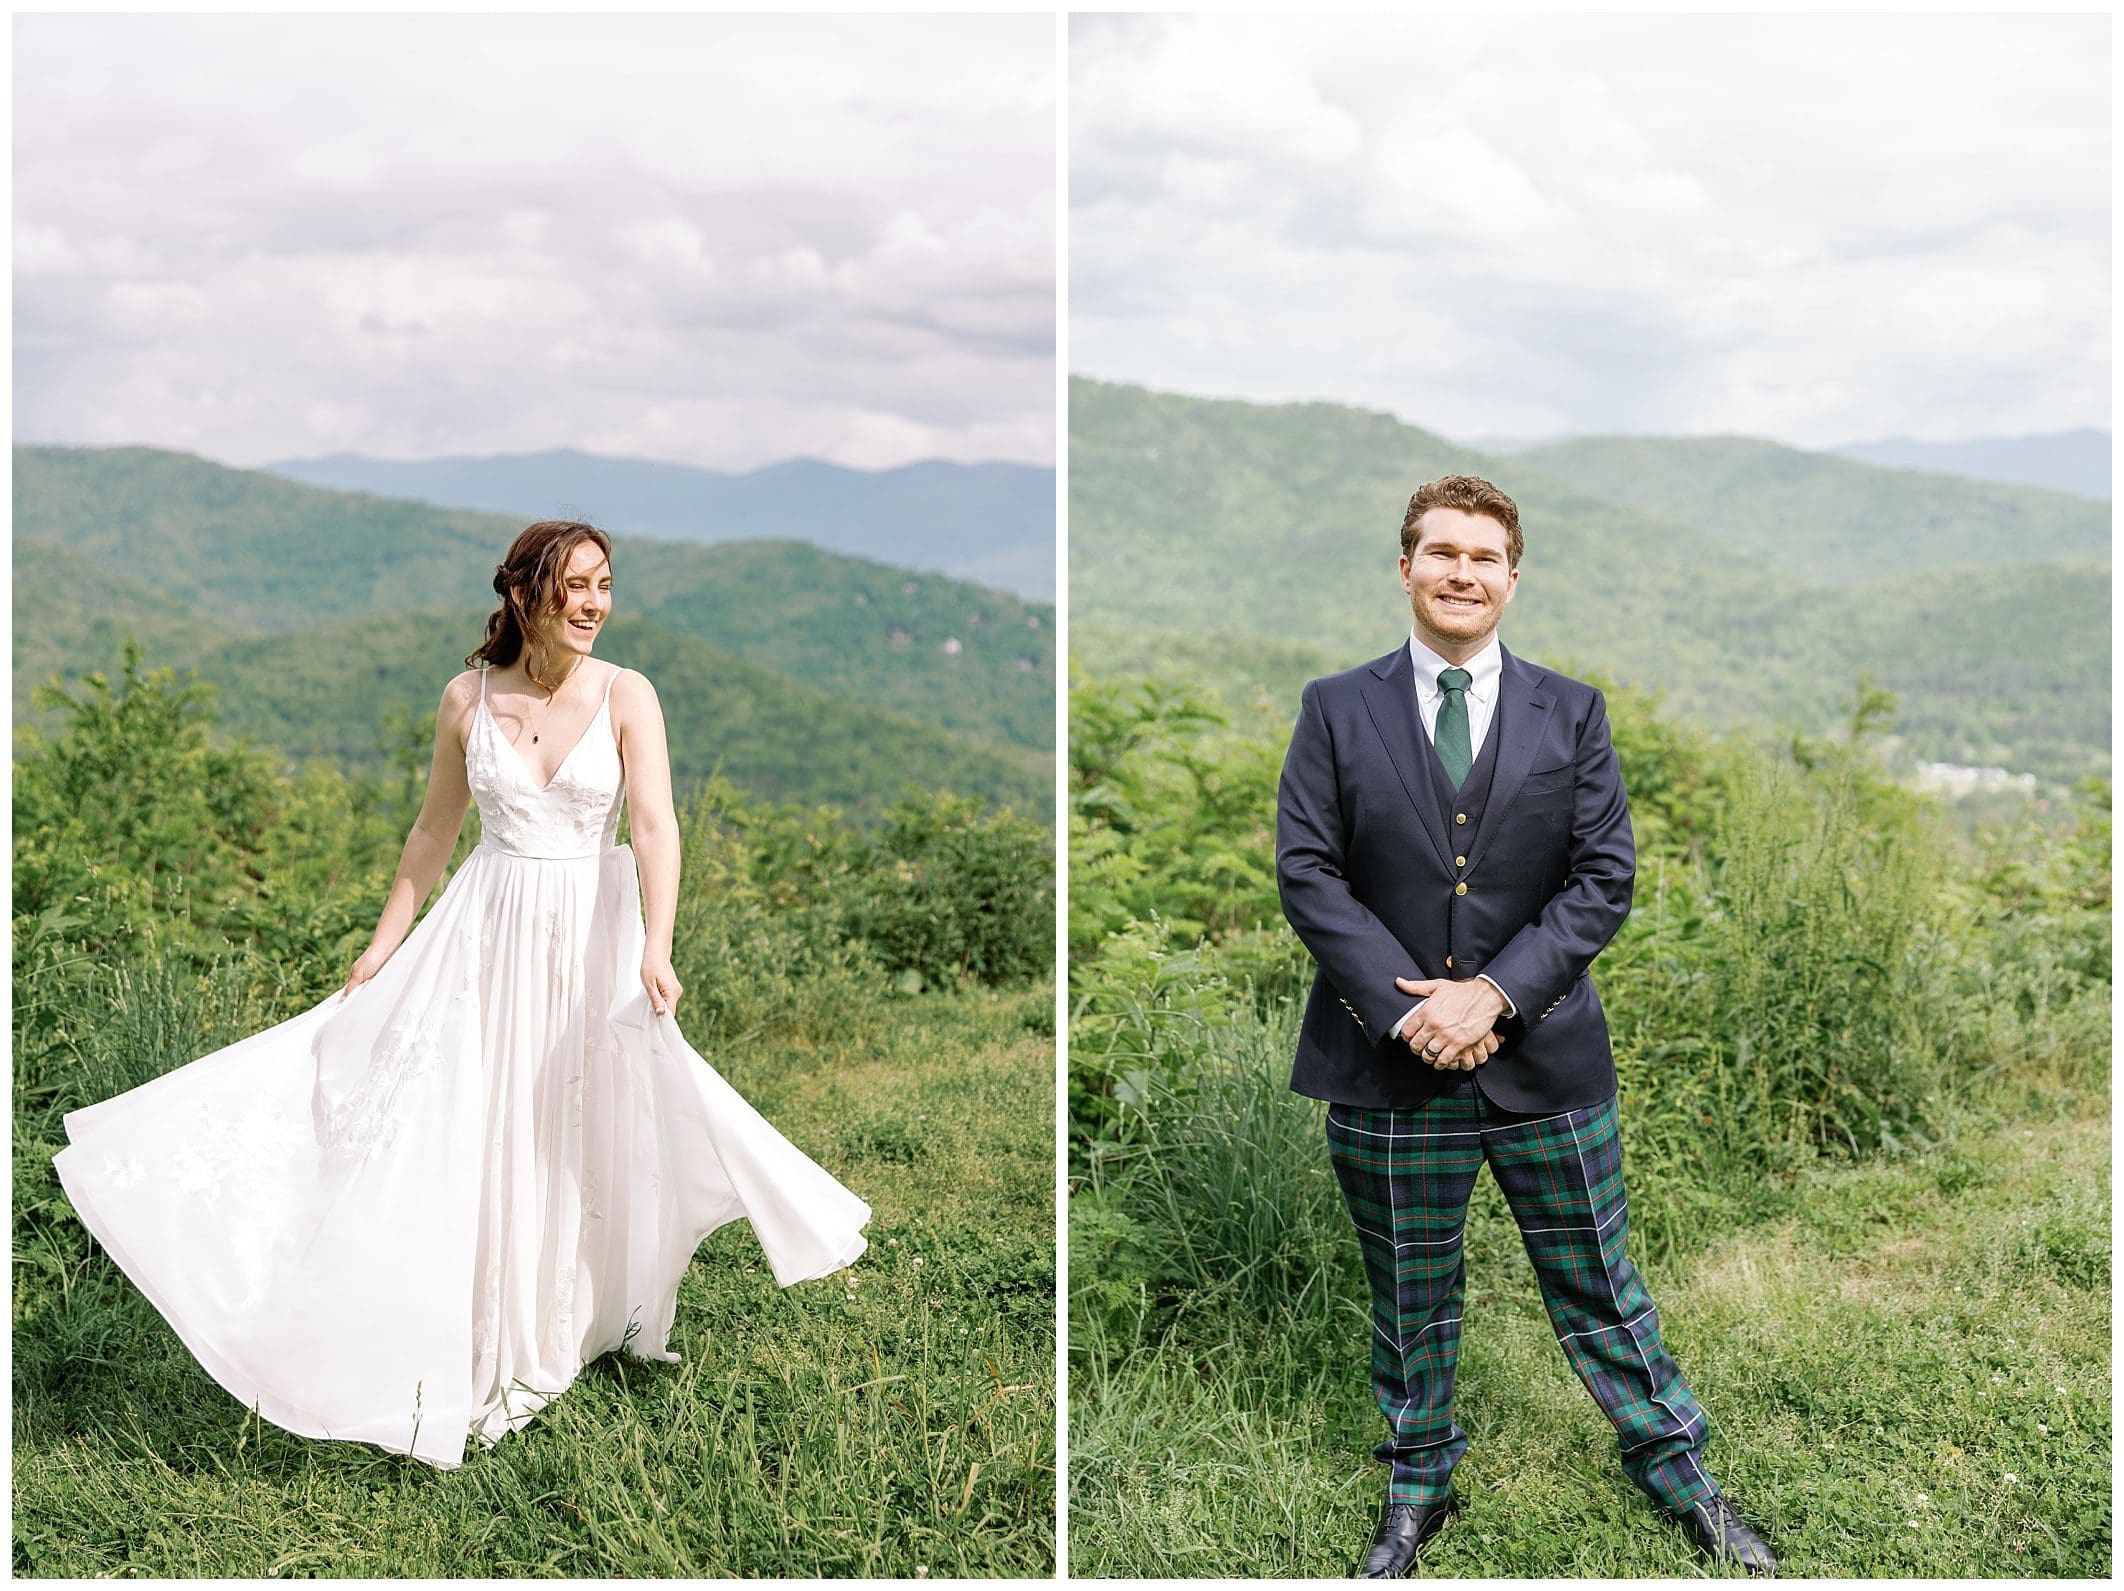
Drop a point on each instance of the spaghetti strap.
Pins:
(483, 683)
(609, 678)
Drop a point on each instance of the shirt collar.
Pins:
(1485, 668)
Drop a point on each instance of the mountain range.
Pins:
(2059, 461)
(990, 524)
(328, 619)
(1751, 584)
(2064, 461)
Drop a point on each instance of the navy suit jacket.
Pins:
(1373, 879)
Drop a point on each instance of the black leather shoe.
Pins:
(1718, 1532)
(1403, 1529)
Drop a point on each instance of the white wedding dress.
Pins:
(413, 1213)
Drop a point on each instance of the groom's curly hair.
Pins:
(1471, 494)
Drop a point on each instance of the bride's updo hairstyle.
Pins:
(528, 582)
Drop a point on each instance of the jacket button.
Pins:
(1449, 961)
(1460, 861)
(1460, 817)
(1460, 889)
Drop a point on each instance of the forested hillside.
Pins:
(766, 732)
(1260, 541)
(331, 620)
(1825, 519)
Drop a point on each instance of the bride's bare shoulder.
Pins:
(633, 701)
(459, 697)
(631, 686)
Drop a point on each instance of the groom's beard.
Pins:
(1473, 623)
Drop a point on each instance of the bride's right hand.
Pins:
(366, 966)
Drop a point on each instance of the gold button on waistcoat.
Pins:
(1460, 889)
(1460, 861)
(1460, 817)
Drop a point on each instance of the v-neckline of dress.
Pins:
(561, 766)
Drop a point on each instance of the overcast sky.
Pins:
(1805, 227)
(717, 240)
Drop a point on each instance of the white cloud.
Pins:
(1806, 226)
(716, 239)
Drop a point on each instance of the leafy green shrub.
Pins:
(952, 891)
(138, 839)
(758, 938)
(1172, 814)
(134, 830)
(790, 917)
(1141, 1012)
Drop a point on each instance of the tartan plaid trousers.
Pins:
(1407, 1175)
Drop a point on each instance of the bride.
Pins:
(412, 1213)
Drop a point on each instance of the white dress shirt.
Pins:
(1484, 671)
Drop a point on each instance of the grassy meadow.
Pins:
(881, 995)
(1864, 1064)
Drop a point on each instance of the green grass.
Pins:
(1906, 1369)
(894, 1420)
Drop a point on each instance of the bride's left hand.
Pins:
(661, 982)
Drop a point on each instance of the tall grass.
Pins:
(895, 1420)
(1821, 980)
(898, 1418)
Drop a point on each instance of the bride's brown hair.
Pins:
(529, 583)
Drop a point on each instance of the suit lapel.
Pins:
(1522, 717)
(1390, 697)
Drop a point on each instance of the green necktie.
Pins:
(1451, 736)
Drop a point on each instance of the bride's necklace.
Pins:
(550, 690)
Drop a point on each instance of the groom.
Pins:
(1453, 846)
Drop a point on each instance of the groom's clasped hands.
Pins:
(1452, 1030)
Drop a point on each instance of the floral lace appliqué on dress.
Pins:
(370, 1118)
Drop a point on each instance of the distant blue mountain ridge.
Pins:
(993, 524)
(2064, 461)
